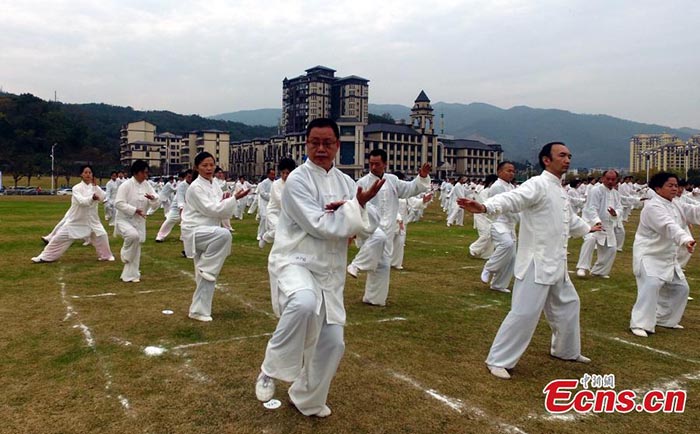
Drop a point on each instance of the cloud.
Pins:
(634, 60)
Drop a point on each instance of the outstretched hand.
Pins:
(242, 193)
(364, 196)
(472, 206)
(596, 227)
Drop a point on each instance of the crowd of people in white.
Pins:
(310, 213)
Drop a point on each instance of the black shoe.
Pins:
(184, 255)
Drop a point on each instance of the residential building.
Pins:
(657, 152)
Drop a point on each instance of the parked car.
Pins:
(65, 191)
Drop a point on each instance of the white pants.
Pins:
(171, 219)
(374, 257)
(483, 246)
(61, 241)
(456, 216)
(109, 211)
(399, 241)
(604, 262)
(502, 261)
(211, 250)
(130, 252)
(626, 211)
(658, 302)
(305, 350)
(620, 236)
(262, 225)
(560, 303)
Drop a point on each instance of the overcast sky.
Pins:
(636, 60)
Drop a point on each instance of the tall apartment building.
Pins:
(664, 152)
(137, 142)
(408, 146)
(216, 142)
(169, 153)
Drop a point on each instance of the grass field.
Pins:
(73, 340)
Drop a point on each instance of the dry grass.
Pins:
(53, 381)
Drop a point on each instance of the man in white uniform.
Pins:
(134, 198)
(376, 249)
(602, 206)
(541, 280)
(110, 194)
(498, 270)
(274, 206)
(263, 197)
(455, 215)
(321, 208)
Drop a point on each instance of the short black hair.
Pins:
(287, 164)
(85, 166)
(138, 166)
(114, 172)
(490, 179)
(271, 169)
(574, 183)
(658, 180)
(503, 163)
(546, 151)
(617, 174)
(379, 152)
(323, 123)
(201, 157)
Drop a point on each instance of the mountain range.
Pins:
(594, 140)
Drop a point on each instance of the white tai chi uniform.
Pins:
(307, 277)
(274, 207)
(167, 195)
(541, 280)
(410, 210)
(110, 195)
(240, 207)
(600, 199)
(263, 197)
(131, 226)
(662, 290)
(376, 249)
(683, 253)
(203, 235)
(500, 264)
(483, 246)
(173, 216)
(81, 221)
(455, 214)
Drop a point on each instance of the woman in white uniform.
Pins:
(135, 197)
(80, 222)
(206, 206)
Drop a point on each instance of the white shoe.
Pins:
(398, 267)
(501, 373)
(582, 359)
(46, 240)
(203, 318)
(639, 332)
(207, 276)
(261, 243)
(506, 290)
(325, 412)
(619, 250)
(601, 276)
(38, 260)
(677, 327)
(353, 270)
(485, 275)
(581, 272)
(110, 259)
(265, 388)
(690, 298)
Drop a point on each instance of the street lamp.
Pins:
(52, 159)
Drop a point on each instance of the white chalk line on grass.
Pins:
(71, 313)
(106, 294)
(647, 348)
(454, 404)
(218, 341)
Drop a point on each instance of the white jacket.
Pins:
(659, 234)
(314, 239)
(546, 222)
